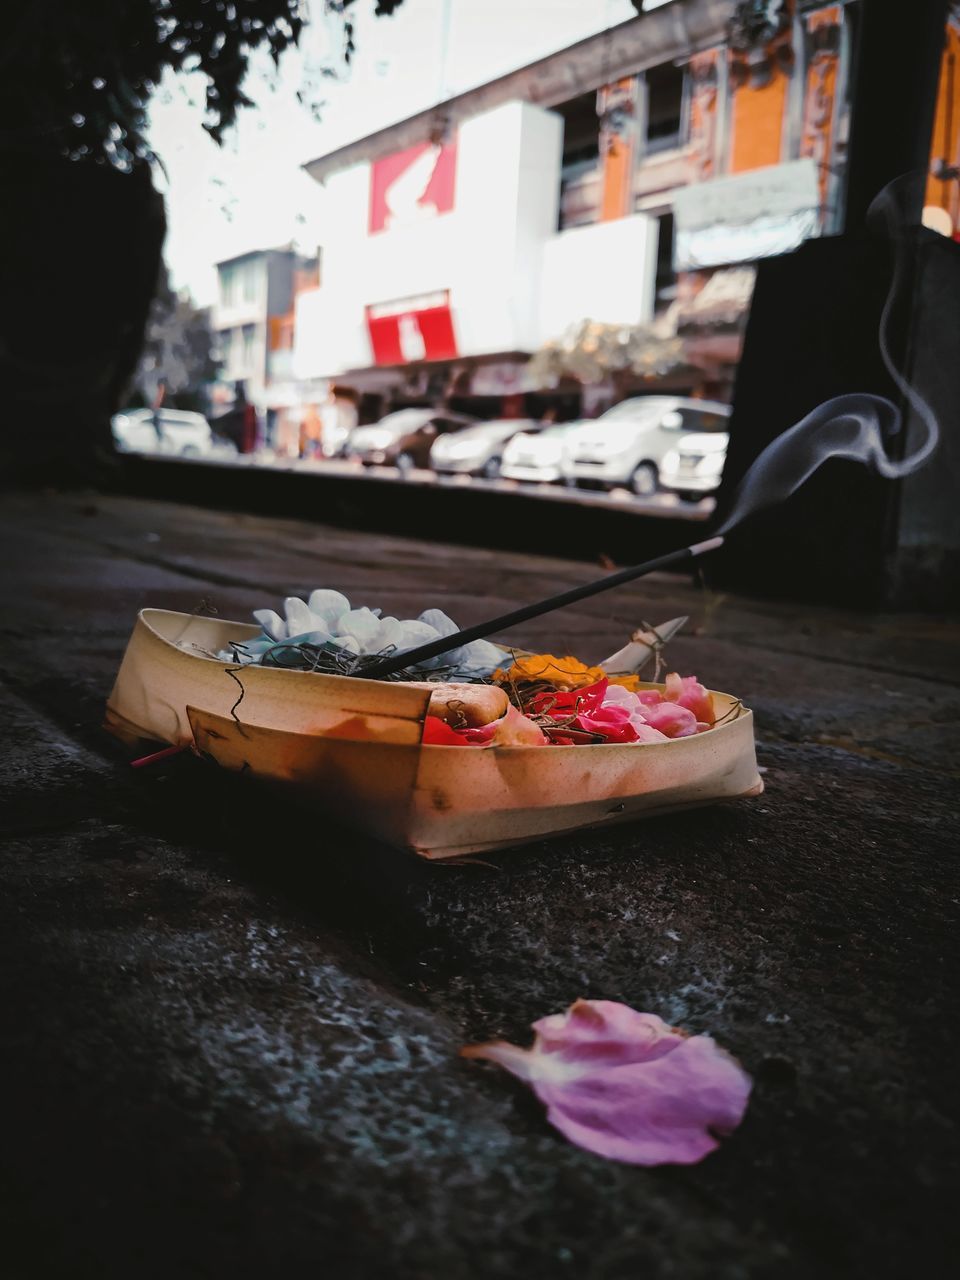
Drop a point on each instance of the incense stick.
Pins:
(409, 658)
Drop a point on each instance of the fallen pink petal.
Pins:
(627, 1086)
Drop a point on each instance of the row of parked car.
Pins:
(177, 432)
(642, 444)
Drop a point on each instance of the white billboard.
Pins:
(746, 216)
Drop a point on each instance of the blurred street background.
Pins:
(593, 254)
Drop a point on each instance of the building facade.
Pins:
(253, 319)
(601, 206)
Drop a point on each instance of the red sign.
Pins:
(412, 329)
(412, 185)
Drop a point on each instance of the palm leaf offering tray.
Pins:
(478, 749)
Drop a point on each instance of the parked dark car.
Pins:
(403, 439)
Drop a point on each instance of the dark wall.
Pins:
(849, 536)
(80, 248)
(811, 335)
(924, 567)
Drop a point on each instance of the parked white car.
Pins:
(627, 445)
(478, 450)
(174, 432)
(537, 457)
(693, 469)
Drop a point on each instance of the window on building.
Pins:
(228, 285)
(247, 333)
(220, 350)
(235, 361)
(666, 281)
(249, 276)
(665, 107)
(580, 178)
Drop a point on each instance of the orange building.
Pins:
(942, 211)
(724, 126)
(773, 91)
(769, 91)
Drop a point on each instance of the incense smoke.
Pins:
(856, 426)
(859, 426)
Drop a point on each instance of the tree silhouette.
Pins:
(81, 225)
(78, 76)
(179, 350)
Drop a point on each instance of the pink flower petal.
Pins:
(687, 692)
(626, 1086)
(647, 733)
(671, 719)
(623, 701)
(612, 723)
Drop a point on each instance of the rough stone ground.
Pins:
(229, 1033)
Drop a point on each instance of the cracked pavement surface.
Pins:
(230, 1032)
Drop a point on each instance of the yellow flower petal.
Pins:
(568, 671)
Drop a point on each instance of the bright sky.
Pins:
(252, 194)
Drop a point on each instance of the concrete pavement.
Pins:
(229, 1034)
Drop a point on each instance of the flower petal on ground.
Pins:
(627, 1086)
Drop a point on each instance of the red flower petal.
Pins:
(612, 723)
(562, 703)
(626, 1086)
(438, 733)
(512, 730)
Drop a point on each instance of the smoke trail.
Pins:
(859, 426)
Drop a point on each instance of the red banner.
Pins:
(412, 185)
(411, 330)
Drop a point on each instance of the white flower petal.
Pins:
(349, 643)
(299, 616)
(481, 657)
(617, 696)
(273, 625)
(415, 633)
(318, 637)
(389, 635)
(362, 624)
(441, 623)
(328, 605)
